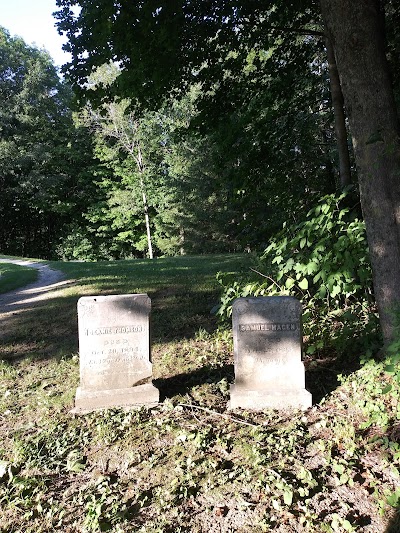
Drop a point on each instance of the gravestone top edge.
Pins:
(259, 300)
(287, 305)
(105, 297)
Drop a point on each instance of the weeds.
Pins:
(187, 464)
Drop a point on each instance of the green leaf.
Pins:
(322, 291)
(347, 526)
(277, 259)
(289, 264)
(312, 267)
(288, 496)
(337, 467)
(335, 524)
(289, 283)
(75, 462)
(335, 290)
(303, 284)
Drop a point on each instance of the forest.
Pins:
(249, 138)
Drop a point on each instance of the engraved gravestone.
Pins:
(267, 339)
(114, 352)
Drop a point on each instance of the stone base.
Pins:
(90, 400)
(271, 399)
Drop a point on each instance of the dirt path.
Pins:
(47, 284)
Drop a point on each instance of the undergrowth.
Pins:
(189, 464)
(324, 262)
(183, 466)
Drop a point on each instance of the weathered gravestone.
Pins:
(114, 352)
(267, 339)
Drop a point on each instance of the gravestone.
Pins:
(267, 340)
(114, 352)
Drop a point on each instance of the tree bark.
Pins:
(147, 220)
(140, 166)
(355, 29)
(340, 120)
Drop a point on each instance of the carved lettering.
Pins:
(115, 330)
(271, 362)
(120, 358)
(288, 326)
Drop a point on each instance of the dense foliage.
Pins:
(271, 149)
(268, 59)
(323, 261)
(43, 157)
(263, 159)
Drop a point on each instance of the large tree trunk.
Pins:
(355, 30)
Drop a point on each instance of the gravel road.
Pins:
(48, 282)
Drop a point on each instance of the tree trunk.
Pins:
(357, 35)
(340, 121)
(147, 220)
(140, 167)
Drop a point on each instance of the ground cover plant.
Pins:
(188, 464)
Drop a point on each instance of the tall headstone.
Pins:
(267, 339)
(114, 352)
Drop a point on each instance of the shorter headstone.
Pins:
(267, 340)
(114, 352)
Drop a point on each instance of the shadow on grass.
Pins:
(49, 329)
(322, 373)
(181, 384)
(320, 382)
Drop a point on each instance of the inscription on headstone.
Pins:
(114, 352)
(267, 339)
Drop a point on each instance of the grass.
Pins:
(14, 276)
(188, 464)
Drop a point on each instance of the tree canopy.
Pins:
(240, 52)
(165, 47)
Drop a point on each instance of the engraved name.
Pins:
(271, 362)
(288, 326)
(115, 330)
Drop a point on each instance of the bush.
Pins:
(324, 262)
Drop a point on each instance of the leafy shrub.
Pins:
(324, 262)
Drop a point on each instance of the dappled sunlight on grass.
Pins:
(187, 464)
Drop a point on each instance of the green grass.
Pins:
(188, 464)
(15, 276)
